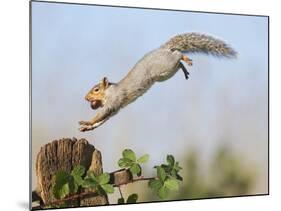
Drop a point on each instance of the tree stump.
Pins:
(65, 154)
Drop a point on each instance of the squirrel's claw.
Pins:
(82, 129)
(87, 125)
(91, 126)
(86, 128)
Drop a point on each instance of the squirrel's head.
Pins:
(96, 96)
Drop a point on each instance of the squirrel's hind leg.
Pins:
(186, 73)
(187, 60)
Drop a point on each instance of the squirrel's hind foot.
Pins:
(187, 60)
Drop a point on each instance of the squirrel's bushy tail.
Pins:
(201, 43)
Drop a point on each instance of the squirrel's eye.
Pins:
(96, 89)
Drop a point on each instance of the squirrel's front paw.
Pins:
(85, 128)
(85, 123)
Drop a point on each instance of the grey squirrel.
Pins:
(156, 66)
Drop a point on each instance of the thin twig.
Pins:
(76, 196)
(119, 188)
(135, 180)
(143, 179)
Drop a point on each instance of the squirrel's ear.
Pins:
(105, 82)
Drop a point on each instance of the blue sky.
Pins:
(223, 102)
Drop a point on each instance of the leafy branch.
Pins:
(70, 186)
(167, 179)
(130, 161)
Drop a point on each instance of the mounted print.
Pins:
(135, 105)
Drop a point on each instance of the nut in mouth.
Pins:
(95, 104)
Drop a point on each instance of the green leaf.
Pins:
(78, 170)
(171, 184)
(124, 162)
(62, 192)
(121, 201)
(155, 184)
(177, 167)
(60, 187)
(89, 183)
(178, 177)
(163, 192)
(132, 199)
(103, 178)
(77, 173)
(108, 188)
(91, 174)
(78, 180)
(173, 173)
(170, 160)
(135, 169)
(129, 154)
(143, 158)
(73, 187)
(167, 168)
(161, 174)
(90, 180)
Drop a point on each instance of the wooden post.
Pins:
(64, 154)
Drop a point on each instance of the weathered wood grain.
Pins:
(64, 154)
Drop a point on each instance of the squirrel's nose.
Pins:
(87, 98)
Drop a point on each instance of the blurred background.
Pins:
(215, 123)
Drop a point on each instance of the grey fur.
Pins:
(200, 43)
(157, 66)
